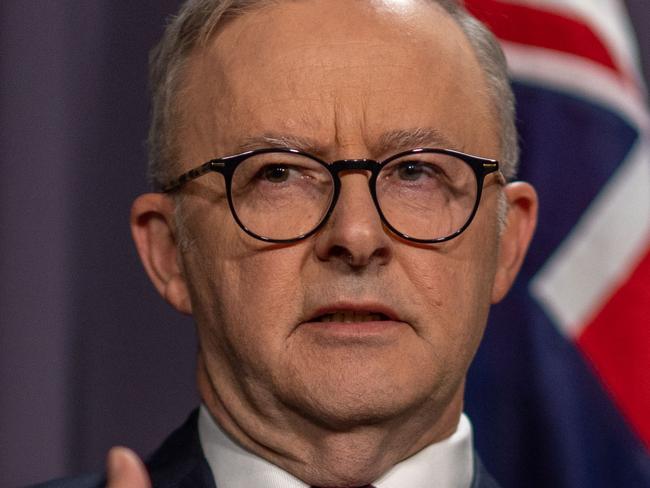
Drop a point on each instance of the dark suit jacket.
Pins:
(179, 463)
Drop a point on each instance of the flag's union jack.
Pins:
(560, 391)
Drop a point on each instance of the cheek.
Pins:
(262, 289)
(451, 289)
(244, 298)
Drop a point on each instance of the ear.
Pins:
(154, 233)
(521, 220)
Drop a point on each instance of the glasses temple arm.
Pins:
(189, 176)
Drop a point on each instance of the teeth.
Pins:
(350, 316)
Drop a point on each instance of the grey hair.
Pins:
(197, 20)
(493, 62)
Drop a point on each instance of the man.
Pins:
(340, 266)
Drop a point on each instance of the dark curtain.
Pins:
(90, 356)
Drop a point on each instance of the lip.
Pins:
(354, 331)
(376, 308)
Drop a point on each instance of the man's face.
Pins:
(339, 77)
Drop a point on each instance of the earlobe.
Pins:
(154, 233)
(520, 223)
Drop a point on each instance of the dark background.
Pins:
(90, 356)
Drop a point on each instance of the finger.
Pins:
(125, 470)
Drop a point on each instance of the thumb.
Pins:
(125, 470)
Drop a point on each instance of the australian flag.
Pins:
(560, 391)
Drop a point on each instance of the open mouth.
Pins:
(349, 316)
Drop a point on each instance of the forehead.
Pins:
(338, 72)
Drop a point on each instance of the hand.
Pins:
(125, 470)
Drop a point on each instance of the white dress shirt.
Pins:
(445, 464)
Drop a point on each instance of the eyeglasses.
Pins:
(284, 195)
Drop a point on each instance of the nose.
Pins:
(354, 235)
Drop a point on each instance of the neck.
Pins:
(322, 454)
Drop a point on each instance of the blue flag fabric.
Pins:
(560, 390)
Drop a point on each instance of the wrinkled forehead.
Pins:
(339, 69)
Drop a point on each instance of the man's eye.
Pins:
(275, 174)
(414, 170)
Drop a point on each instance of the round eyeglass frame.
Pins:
(227, 165)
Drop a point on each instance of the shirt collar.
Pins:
(445, 464)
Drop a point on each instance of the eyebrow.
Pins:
(402, 139)
(305, 144)
(390, 141)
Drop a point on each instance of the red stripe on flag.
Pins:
(617, 342)
(532, 26)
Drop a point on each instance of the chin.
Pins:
(345, 405)
(343, 387)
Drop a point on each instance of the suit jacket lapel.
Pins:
(179, 462)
